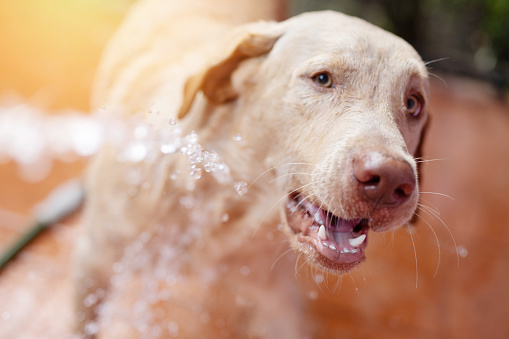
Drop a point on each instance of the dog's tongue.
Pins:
(335, 223)
(334, 236)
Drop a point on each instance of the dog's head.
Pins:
(338, 107)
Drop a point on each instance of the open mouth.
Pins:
(334, 243)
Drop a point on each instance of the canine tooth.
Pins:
(321, 233)
(332, 247)
(357, 241)
(354, 250)
(317, 218)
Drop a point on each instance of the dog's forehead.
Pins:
(337, 34)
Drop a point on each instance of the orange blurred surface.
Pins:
(50, 48)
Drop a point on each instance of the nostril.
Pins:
(370, 180)
(384, 180)
(405, 189)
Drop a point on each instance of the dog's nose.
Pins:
(384, 180)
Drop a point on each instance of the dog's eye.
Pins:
(414, 105)
(323, 79)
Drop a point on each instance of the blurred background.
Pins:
(50, 48)
(471, 35)
(410, 287)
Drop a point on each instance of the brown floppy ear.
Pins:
(249, 41)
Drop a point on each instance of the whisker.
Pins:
(270, 169)
(354, 284)
(366, 284)
(420, 160)
(288, 174)
(424, 206)
(436, 193)
(304, 211)
(307, 197)
(439, 78)
(435, 60)
(296, 263)
(270, 209)
(415, 255)
(428, 210)
(438, 242)
(279, 257)
(437, 210)
(338, 285)
(300, 267)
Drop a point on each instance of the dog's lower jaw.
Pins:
(336, 252)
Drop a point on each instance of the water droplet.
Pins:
(172, 122)
(225, 217)
(195, 154)
(187, 201)
(90, 300)
(195, 173)
(91, 328)
(118, 267)
(141, 132)
(237, 137)
(245, 270)
(192, 138)
(136, 152)
(462, 251)
(173, 329)
(241, 187)
(154, 110)
(319, 278)
(313, 295)
(280, 227)
(164, 295)
(89, 283)
(134, 177)
(168, 148)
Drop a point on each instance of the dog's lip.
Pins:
(338, 242)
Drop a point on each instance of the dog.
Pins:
(311, 124)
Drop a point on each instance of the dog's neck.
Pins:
(224, 214)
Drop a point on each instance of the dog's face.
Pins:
(343, 105)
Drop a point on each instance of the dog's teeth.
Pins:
(357, 241)
(318, 218)
(321, 233)
(332, 247)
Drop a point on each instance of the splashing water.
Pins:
(33, 140)
(241, 188)
(29, 137)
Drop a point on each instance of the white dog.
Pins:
(313, 121)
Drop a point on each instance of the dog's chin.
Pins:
(330, 242)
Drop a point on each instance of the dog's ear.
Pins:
(249, 41)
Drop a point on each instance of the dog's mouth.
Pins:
(334, 243)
